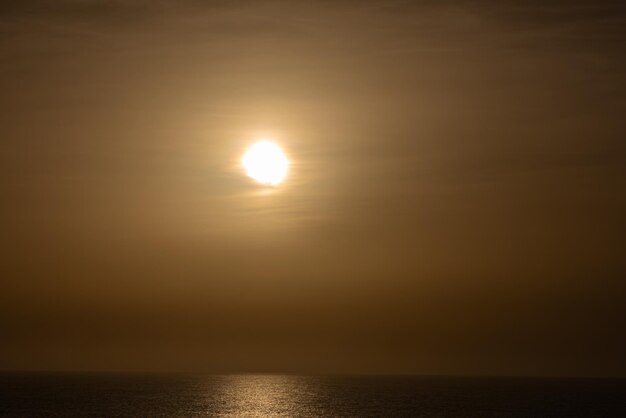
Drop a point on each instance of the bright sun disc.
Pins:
(266, 163)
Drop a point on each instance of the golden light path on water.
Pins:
(259, 395)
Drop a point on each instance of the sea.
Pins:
(26, 395)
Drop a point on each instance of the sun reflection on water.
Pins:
(259, 395)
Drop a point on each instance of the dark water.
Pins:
(30, 396)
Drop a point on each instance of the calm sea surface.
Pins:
(73, 395)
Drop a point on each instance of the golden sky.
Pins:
(455, 202)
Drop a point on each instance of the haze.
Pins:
(455, 201)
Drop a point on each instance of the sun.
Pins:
(266, 163)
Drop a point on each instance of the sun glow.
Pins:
(266, 163)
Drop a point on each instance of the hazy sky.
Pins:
(456, 202)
